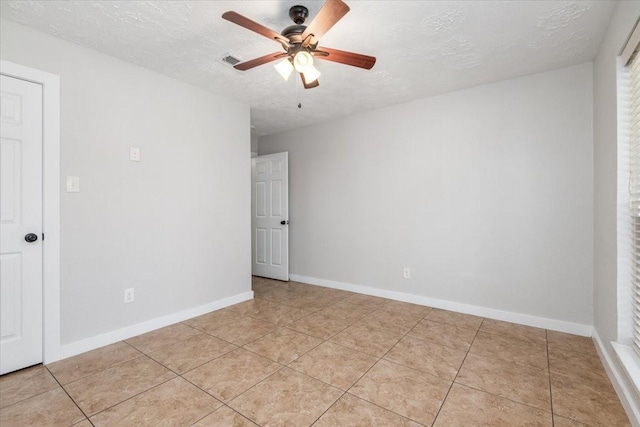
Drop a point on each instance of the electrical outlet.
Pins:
(407, 273)
(129, 296)
(134, 154)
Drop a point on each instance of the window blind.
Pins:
(634, 190)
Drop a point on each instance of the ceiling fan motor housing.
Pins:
(294, 33)
(298, 14)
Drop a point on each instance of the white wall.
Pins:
(605, 182)
(174, 226)
(485, 193)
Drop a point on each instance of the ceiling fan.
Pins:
(300, 43)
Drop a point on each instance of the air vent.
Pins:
(230, 60)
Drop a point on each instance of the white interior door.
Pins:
(20, 220)
(270, 216)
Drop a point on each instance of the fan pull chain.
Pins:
(298, 92)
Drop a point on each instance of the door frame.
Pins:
(50, 201)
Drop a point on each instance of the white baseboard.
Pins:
(491, 313)
(101, 340)
(620, 384)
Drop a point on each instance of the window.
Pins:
(634, 191)
(630, 132)
(627, 343)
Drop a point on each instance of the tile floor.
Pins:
(300, 355)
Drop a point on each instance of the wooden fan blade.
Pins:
(330, 13)
(247, 23)
(244, 66)
(343, 57)
(311, 85)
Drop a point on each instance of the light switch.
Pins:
(134, 154)
(73, 184)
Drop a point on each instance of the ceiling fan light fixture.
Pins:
(285, 68)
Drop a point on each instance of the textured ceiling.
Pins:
(423, 48)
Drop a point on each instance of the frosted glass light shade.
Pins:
(311, 74)
(302, 61)
(284, 68)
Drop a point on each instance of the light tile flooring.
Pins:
(300, 355)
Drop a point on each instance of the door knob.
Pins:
(31, 237)
(283, 222)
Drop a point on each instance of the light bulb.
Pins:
(284, 68)
(311, 74)
(302, 61)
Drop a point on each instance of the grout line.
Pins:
(505, 398)
(136, 395)
(387, 409)
(308, 351)
(222, 402)
(235, 397)
(459, 369)
(238, 345)
(263, 356)
(327, 410)
(325, 339)
(72, 399)
(33, 395)
(108, 367)
(553, 421)
(206, 415)
(197, 366)
(312, 310)
(243, 416)
(253, 386)
(329, 384)
(522, 340)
